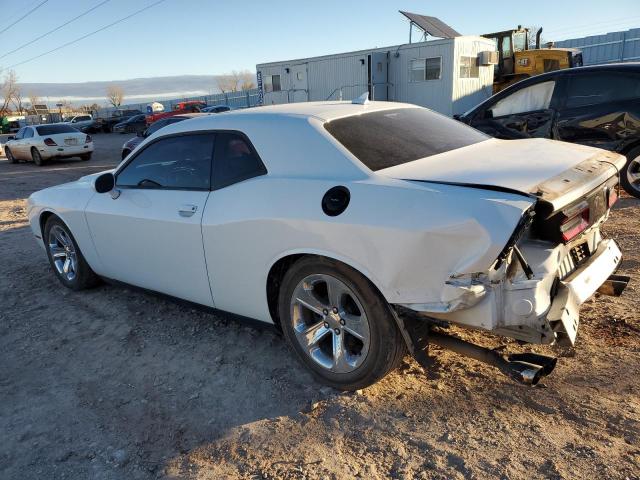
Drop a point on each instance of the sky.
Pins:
(208, 37)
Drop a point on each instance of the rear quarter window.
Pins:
(388, 138)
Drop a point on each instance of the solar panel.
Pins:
(431, 25)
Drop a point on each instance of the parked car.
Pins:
(597, 106)
(84, 123)
(333, 220)
(106, 124)
(134, 124)
(216, 109)
(132, 143)
(191, 106)
(41, 143)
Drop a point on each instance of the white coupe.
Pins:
(42, 143)
(340, 222)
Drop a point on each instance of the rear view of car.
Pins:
(42, 143)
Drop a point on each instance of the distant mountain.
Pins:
(136, 90)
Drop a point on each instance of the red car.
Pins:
(192, 106)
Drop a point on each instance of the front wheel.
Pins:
(36, 157)
(85, 157)
(65, 257)
(630, 177)
(10, 156)
(338, 324)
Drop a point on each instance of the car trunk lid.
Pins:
(556, 172)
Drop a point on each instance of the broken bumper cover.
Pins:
(532, 310)
(563, 316)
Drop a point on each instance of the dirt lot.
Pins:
(116, 384)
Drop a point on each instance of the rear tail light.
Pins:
(49, 142)
(612, 197)
(88, 139)
(575, 222)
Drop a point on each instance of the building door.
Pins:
(299, 84)
(379, 89)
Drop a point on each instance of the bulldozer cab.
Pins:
(517, 61)
(508, 42)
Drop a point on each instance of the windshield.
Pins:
(54, 129)
(392, 137)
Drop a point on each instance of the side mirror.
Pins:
(105, 183)
(488, 113)
(11, 137)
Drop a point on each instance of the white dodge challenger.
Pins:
(343, 224)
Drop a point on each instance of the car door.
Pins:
(147, 231)
(229, 242)
(16, 146)
(28, 142)
(600, 109)
(527, 112)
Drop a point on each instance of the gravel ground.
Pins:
(116, 384)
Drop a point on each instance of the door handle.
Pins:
(187, 210)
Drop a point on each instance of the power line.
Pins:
(87, 35)
(25, 15)
(589, 27)
(55, 29)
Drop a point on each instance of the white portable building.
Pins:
(448, 75)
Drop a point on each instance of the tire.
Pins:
(630, 176)
(85, 158)
(10, 156)
(36, 157)
(358, 305)
(79, 275)
(125, 152)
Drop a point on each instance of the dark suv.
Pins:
(597, 106)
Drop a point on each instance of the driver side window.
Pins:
(180, 162)
(528, 99)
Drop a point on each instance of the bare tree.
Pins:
(227, 83)
(34, 99)
(115, 95)
(8, 89)
(17, 101)
(247, 80)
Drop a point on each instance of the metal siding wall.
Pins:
(433, 94)
(469, 92)
(610, 48)
(328, 73)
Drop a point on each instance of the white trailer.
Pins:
(447, 75)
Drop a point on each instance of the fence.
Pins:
(243, 99)
(610, 48)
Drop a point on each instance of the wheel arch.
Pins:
(283, 263)
(44, 216)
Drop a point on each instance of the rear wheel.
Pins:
(65, 257)
(10, 156)
(85, 157)
(36, 157)
(125, 152)
(338, 324)
(630, 177)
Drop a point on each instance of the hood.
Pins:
(544, 168)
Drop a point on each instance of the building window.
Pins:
(272, 83)
(469, 67)
(421, 69)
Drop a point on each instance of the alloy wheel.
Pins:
(633, 175)
(330, 323)
(63, 253)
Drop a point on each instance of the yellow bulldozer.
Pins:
(517, 61)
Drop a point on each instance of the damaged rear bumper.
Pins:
(563, 316)
(545, 308)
